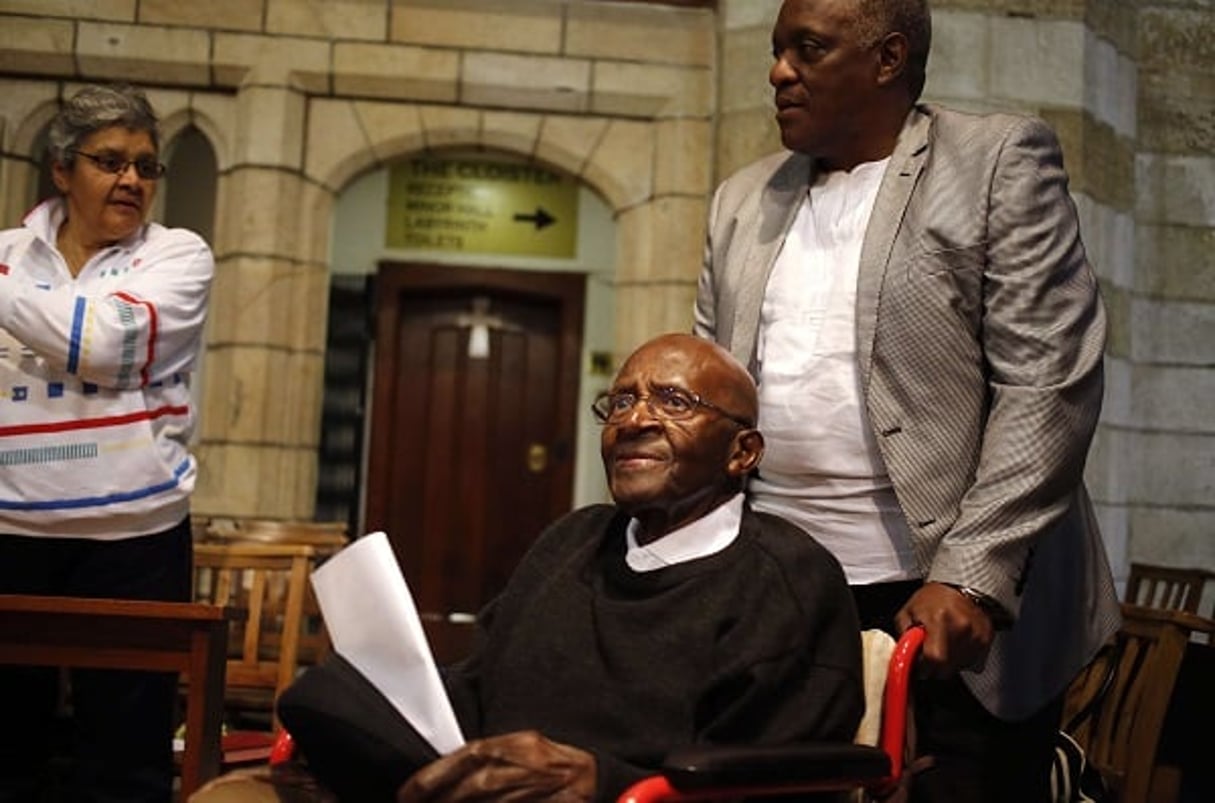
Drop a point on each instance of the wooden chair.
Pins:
(267, 584)
(1116, 708)
(1169, 587)
(325, 538)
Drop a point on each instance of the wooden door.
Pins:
(473, 428)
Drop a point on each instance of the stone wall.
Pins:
(1073, 64)
(298, 97)
(650, 106)
(1170, 427)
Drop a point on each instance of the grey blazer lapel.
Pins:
(778, 204)
(889, 208)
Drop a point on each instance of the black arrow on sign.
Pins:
(540, 219)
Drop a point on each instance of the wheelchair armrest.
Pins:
(808, 765)
(716, 772)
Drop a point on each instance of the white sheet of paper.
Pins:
(373, 623)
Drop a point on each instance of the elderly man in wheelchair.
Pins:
(675, 617)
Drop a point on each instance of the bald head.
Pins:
(679, 431)
(719, 376)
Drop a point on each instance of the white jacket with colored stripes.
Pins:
(95, 409)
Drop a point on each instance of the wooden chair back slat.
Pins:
(253, 621)
(1169, 587)
(223, 588)
(294, 612)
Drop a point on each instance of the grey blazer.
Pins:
(980, 337)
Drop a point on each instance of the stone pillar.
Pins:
(656, 174)
(656, 270)
(25, 108)
(266, 334)
(1172, 300)
(746, 123)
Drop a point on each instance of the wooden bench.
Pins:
(130, 634)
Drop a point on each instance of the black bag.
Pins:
(352, 738)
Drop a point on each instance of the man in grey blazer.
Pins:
(909, 287)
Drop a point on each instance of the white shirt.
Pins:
(821, 467)
(706, 536)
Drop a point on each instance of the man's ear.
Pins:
(892, 58)
(746, 451)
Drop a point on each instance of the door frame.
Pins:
(393, 277)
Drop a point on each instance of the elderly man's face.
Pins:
(668, 472)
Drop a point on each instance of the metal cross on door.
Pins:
(479, 321)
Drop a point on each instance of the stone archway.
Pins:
(273, 244)
(654, 174)
(32, 112)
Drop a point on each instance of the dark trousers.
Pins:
(111, 739)
(969, 755)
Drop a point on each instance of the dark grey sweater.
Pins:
(756, 644)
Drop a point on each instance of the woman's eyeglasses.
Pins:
(146, 167)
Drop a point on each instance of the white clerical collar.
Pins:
(705, 536)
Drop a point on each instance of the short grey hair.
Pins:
(876, 18)
(96, 107)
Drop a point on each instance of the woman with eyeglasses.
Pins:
(101, 316)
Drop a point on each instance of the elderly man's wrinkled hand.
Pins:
(957, 633)
(510, 768)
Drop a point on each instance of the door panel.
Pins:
(473, 428)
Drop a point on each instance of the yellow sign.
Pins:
(482, 206)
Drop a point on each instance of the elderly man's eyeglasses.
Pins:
(672, 404)
(146, 167)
